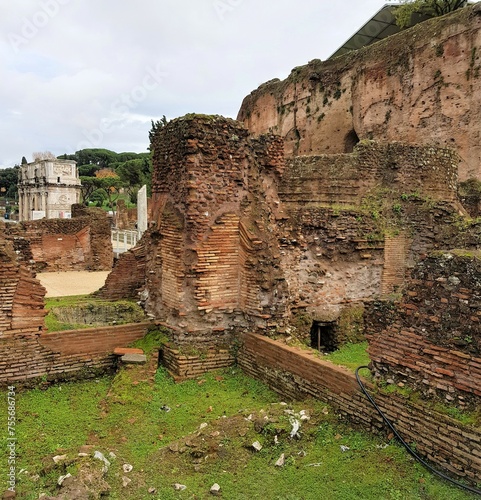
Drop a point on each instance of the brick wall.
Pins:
(184, 366)
(26, 350)
(344, 179)
(431, 339)
(80, 243)
(74, 353)
(294, 373)
(395, 253)
(21, 295)
(127, 278)
(243, 238)
(214, 190)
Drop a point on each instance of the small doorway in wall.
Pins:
(323, 336)
(350, 141)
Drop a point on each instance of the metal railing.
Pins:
(123, 240)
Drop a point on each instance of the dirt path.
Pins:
(60, 284)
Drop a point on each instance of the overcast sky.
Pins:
(93, 73)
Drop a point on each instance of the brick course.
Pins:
(295, 374)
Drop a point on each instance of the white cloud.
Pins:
(72, 68)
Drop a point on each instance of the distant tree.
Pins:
(87, 170)
(112, 185)
(8, 181)
(98, 197)
(24, 160)
(433, 8)
(89, 186)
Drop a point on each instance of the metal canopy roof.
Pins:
(380, 26)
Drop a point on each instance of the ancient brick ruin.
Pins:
(329, 232)
(27, 351)
(245, 239)
(80, 243)
(420, 86)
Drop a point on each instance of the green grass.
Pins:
(155, 337)
(350, 355)
(98, 309)
(52, 323)
(126, 415)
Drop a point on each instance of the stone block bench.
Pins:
(131, 355)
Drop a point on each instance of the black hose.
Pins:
(406, 445)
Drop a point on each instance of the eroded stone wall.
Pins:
(214, 194)
(242, 239)
(421, 86)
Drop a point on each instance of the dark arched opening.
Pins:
(323, 336)
(350, 141)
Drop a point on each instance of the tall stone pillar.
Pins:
(142, 211)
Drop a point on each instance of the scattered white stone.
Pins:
(344, 448)
(257, 446)
(203, 425)
(382, 446)
(179, 487)
(126, 481)
(276, 439)
(304, 416)
(100, 456)
(112, 455)
(280, 461)
(318, 464)
(83, 454)
(165, 408)
(59, 458)
(295, 427)
(152, 491)
(61, 479)
(127, 468)
(215, 489)
(302, 453)
(249, 417)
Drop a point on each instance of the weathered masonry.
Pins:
(27, 351)
(245, 238)
(420, 86)
(82, 242)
